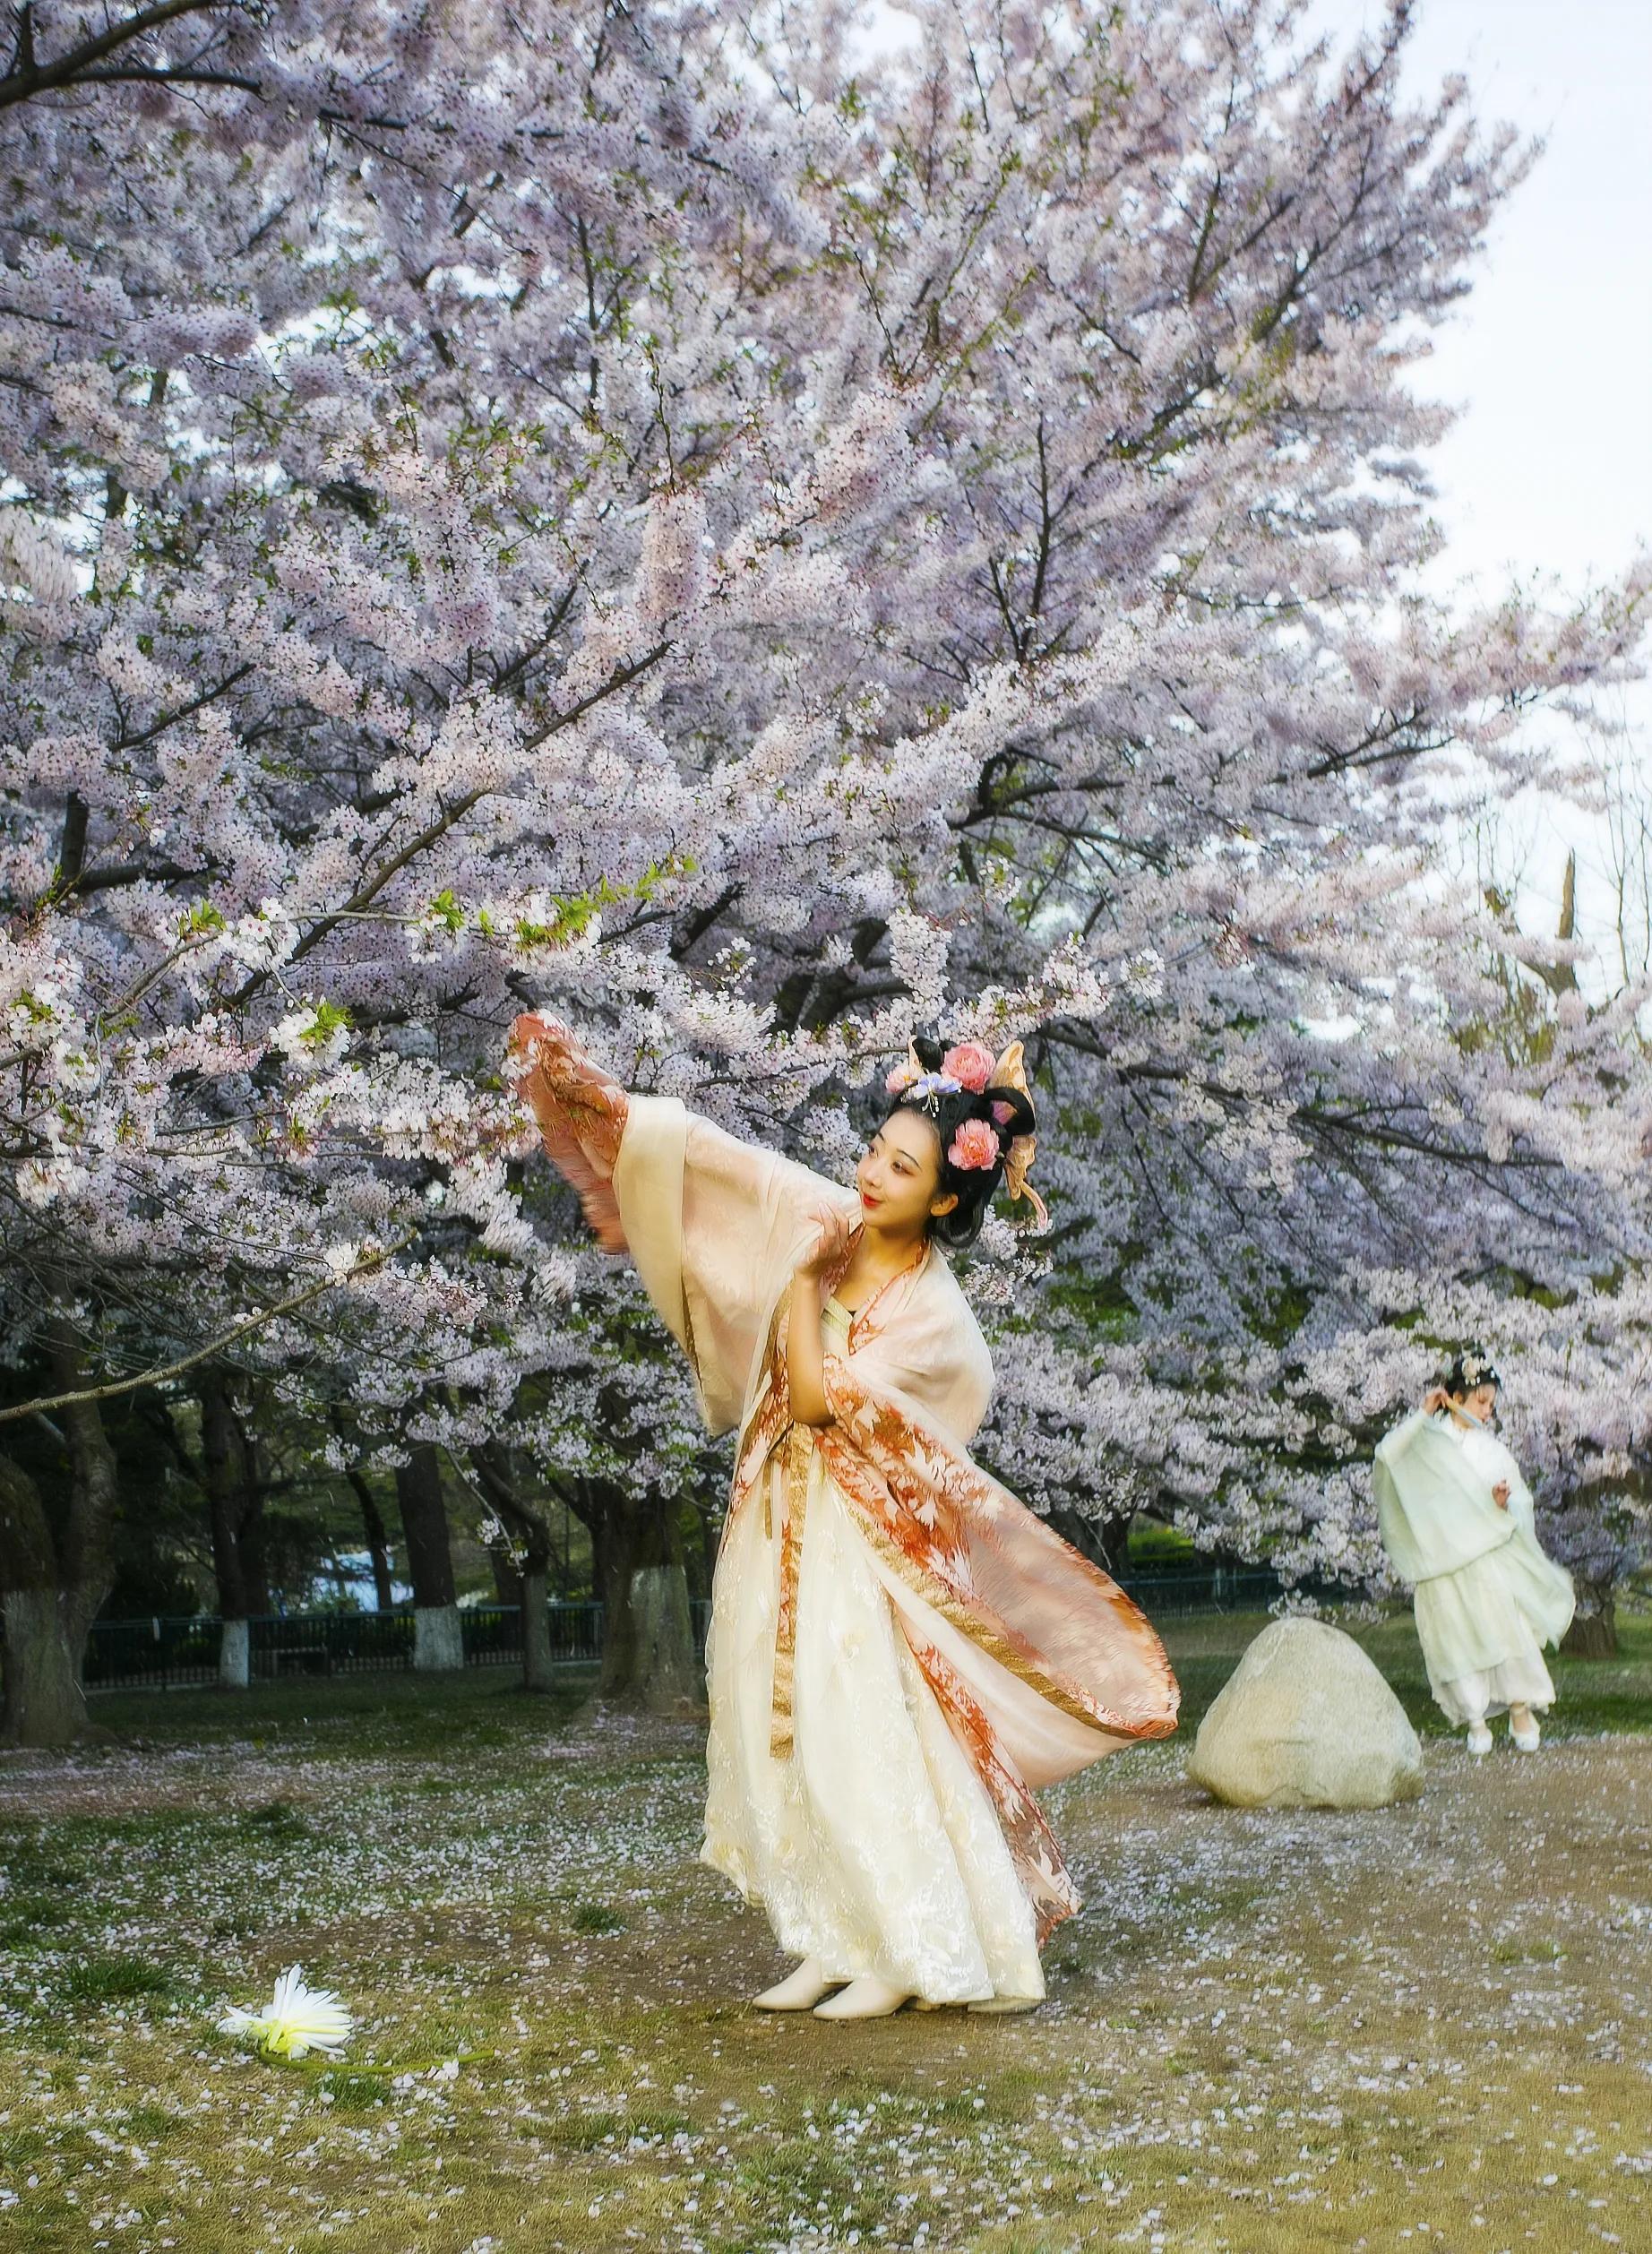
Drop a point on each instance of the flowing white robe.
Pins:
(1487, 1598)
(900, 1651)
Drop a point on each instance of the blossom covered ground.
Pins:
(1423, 2026)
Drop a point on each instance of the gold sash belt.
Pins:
(798, 1444)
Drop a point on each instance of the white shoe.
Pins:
(867, 1998)
(1479, 1740)
(800, 1991)
(1529, 1738)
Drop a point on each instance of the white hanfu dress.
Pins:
(901, 1653)
(1487, 1597)
(874, 1847)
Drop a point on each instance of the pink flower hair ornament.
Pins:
(974, 1147)
(961, 1067)
(971, 1064)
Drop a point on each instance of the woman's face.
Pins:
(1480, 1401)
(899, 1177)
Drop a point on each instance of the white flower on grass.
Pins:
(298, 2019)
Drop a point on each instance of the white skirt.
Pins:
(1478, 1640)
(872, 1847)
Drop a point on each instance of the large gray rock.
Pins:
(1306, 1721)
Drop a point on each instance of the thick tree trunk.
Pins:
(44, 1704)
(234, 1502)
(525, 1572)
(538, 1673)
(378, 1539)
(507, 1577)
(438, 1639)
(662, 1637)
(234, 1655)
(56, 1569)
(46, 1622)
(648, 1643)
(1105, 1541)
(1593, 1634)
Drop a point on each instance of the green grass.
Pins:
(1292, 2031)
(104, 1979)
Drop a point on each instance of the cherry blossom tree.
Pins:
(623, 510)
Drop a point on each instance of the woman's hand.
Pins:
(1499, 1494)
(1435, 1400)
(831, 1246)
(805, 1349)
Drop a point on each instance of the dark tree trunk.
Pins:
(236, 1502)
(378, 1539)
(1593, 1634)
(648, 1642)
(507, 1577)
(44, 1703)
(438, 1638)
(72, 841)
(57, 1567)
(529, 1568)
(1105, 1541)
(539, 1670)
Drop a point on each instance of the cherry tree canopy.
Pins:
(615, 509)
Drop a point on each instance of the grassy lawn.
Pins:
(1423, 2026)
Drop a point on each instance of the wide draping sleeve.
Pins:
(714, 1225)
(581, 1113)
(1435, 1514)
(1545, 1589)
(1033, 1613)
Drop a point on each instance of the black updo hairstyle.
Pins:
(1470, 1366)
(973, 1186)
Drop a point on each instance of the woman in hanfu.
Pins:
(1457, 1521)
(901, 1654)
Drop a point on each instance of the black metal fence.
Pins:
(1223, 1588)
(169, 1654)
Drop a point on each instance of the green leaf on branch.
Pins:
(329, 1019)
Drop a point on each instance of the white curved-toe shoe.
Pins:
(867, 1998)
(800, 1991)
(1528, 1736)
(1479, 1741)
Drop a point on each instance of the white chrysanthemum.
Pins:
(297, 2019)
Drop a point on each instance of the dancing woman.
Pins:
(900, 1651)
(1455, 1520)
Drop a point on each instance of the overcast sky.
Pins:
(1548, 470)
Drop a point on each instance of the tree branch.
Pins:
(39, 1407)
(26, 77)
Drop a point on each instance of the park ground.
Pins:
(1427, 2027)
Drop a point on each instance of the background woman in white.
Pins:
(1456, 1522)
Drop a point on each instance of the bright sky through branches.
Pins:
(1550, 468)
(1548, 471)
